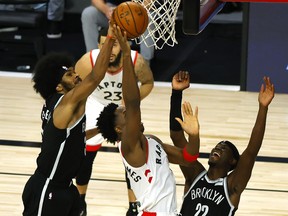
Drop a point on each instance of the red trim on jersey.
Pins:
(188, 157)
(136, 56)
(149, 213)
(91, 58)
(93, 148)
(147, 146)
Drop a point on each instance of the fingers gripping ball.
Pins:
(131, 17)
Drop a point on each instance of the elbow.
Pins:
(146, 89)
(190, 164)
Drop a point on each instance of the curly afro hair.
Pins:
(106, 123)
(48, 72)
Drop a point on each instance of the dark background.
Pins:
(211, 57)
(267, 44)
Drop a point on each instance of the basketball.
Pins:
(131, 17)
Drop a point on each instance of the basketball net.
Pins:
(161, 26)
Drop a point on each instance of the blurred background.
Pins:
(239, 45)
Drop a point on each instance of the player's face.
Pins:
(221, 154)
(120, 113)
(70, 79)
(120, 118)
(115, 56)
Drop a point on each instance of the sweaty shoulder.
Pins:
(83, 66)
(143, 71)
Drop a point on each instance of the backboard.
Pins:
(197, 15)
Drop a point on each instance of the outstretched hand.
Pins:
(111, 30)
(122, 39)
(266, 93)
(181, 80)
(190, 123)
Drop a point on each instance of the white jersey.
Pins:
(153, 183)
(109, 90)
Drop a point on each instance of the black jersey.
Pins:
(62, 150)
(48, 107)
(207, 197)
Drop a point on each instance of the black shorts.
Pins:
(56, 200)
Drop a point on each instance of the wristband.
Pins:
(177, 92)
(110, 37)
(188, 157)
(175, 110)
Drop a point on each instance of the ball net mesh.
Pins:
(161, 26)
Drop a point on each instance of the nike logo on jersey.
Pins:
(148, 175)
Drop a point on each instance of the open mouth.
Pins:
(112, 57)
(215, 154)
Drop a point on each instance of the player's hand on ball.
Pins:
(122, 39)
(111, 30)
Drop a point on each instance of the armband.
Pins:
(188, 157)
(175, 110)
(110, 37)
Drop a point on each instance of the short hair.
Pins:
(106, 123)
(49, 71)
(235, 151)
(102, 33)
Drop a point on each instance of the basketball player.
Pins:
(217, 192)
(50, 190)
(109, 90)
(145, 157)
(96, 16)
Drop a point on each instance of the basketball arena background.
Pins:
(241, 44)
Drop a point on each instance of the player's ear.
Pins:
(117, 129)
(59, 87)
(233, 163)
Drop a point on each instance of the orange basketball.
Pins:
(131, 17)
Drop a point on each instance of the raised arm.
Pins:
(239, 178)
(180, 82)
(72, 106)
(93, 79)
(190, 125)
(131, 134)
